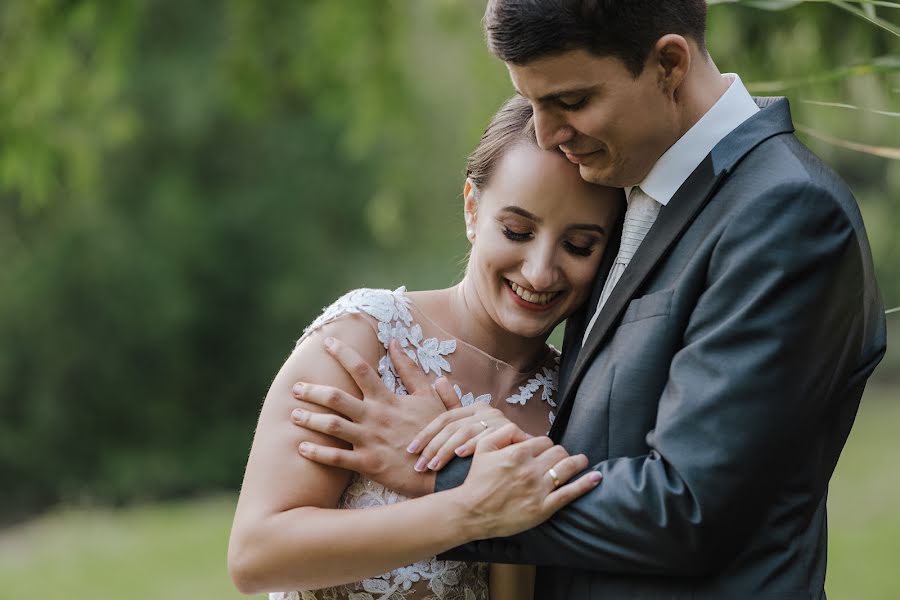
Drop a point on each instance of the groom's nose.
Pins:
(551, 130)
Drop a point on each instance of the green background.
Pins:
(183, 186)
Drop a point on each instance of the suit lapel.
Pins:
(673, 219)
(671, 222)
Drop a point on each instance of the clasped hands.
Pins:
(515, 482)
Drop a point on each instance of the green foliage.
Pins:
(183, 186)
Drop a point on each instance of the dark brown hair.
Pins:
(519, 31)
(511, 125)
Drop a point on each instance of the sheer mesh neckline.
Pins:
(549, 350)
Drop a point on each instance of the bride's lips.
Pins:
(531, 305)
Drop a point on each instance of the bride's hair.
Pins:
(513, 124)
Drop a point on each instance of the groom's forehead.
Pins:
(550, 77)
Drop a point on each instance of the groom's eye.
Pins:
(572, 104)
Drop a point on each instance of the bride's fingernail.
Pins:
(329, 342)
(413, 446)
(298, 389)
(434, 463)
(596, 476)
(305, 448)
(420, 465)
(297, 414)
(459, 451)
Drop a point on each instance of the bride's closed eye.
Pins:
(579, 250)
(516, 236)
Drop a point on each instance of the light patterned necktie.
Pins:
(639, 218)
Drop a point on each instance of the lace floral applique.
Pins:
(469, 399)
(547, 381)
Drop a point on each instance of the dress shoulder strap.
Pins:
(388, 308)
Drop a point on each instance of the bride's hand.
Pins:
(454, 433)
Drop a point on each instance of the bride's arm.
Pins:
(287, 533)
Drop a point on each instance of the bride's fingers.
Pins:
(331, 457)
(443, 448)
(363, 374)
(464, 433)
(333, 425)
(331, 398)
(413, 377)
(467, 448)
(424, 437)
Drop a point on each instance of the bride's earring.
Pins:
(470, 233)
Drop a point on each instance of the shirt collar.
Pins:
(678, 162)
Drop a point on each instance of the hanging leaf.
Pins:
(883, 64)
(885, 113)
(882, 151)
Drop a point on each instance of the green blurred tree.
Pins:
(184, 186)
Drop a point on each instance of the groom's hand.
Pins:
(380, 426)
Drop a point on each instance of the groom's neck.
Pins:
(701, 89)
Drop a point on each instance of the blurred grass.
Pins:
(171, 551)
(176, 550)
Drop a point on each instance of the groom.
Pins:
(715, 374)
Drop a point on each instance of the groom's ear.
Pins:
(671, 58)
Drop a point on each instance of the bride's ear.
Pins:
(470, 208)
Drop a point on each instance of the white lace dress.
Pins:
(525, 398)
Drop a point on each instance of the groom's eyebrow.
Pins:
(533, 217)
(579, 91)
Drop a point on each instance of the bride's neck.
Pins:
(474, 325)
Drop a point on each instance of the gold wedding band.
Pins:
(552, 473)
(483, 424)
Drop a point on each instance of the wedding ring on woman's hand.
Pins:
(552, 473)
(483, 424)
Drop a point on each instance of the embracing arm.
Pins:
(746, 396)
(287, 532)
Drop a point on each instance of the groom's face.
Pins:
(613, 125)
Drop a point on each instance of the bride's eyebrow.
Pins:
(589, 227)
(518, 210)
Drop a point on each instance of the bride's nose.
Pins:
(540, 269)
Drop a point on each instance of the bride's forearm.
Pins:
(308, 548)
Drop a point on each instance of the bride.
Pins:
(537, 234)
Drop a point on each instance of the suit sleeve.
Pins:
(740, 408)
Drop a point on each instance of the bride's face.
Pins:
(538, 233)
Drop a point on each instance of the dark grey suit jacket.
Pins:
(717, 388)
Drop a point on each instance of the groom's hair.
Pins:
(519, 31)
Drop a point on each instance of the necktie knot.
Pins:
(639, 218)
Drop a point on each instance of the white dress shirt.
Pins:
(671, 171)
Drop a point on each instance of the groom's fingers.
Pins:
(331, 457)
(367, 380)
(448, 396)
(331, 398)
(413, 377)
(568, 492)
(332, 425)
